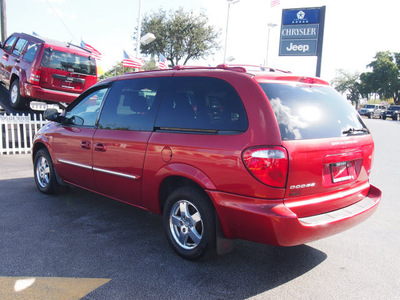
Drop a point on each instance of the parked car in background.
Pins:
(33, 67)
(223, 153)
(393, 112)
(372, 110)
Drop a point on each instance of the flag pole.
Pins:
(138, 32)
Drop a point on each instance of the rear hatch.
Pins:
(67, 70)
(330, 149)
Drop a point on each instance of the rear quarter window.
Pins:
(311, 112)
(202, 105)
(31, 51)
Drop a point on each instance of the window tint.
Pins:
(311, 112)
(68, 62)
(202, 104)
(9, 43)
(86, 111)
(132, 104)
(30, 52)
(19, 46)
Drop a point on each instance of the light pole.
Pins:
(227, 25)
(270, 25)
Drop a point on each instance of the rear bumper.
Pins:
(37, 92)
(273, 223)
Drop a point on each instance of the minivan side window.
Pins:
(86, 111)
(202, 105)
(30, 53)
(19, 46)
(132, 104)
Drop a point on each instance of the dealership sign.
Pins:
(301, 32)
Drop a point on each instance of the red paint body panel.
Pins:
(272, 222)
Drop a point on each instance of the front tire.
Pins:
(44, 173)
(16, 100)
(189, 223)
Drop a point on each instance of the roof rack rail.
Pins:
(184, 67)
(80, 47)
(249, 68)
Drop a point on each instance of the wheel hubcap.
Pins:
(43, 172)
(14, 94)
(186, 224)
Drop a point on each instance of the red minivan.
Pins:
(38, 68)
(223, 153)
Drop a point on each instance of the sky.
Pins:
(354, 29)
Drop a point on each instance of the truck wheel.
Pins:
(16, 100)
(189, 223)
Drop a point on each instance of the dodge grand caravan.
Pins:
(222, 153)
(38, 68)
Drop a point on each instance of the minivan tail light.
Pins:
(268, 164)
(35, 76)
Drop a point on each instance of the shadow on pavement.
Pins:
(81, 234)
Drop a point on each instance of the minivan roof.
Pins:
(259, 73)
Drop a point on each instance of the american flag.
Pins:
(275, 3)
(132, 62)
(162, 64)
(96, 54)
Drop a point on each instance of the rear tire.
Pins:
(44, 173)
(395, 117)
(190, 224)
(16, 100)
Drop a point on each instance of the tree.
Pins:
(349, 84)
(384, 78)
(179, 35)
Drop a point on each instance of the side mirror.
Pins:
(52, 114)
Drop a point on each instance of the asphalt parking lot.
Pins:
(82, 245)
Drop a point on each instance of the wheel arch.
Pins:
(172, 183)
(169, 178)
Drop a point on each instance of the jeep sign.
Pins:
(300, 32)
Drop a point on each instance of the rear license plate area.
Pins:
(341, 171)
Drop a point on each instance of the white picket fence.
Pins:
(17, 133)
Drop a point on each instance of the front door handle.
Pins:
(100, 147)
(86, 144)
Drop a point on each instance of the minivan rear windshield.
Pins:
(312, 112)
(68, 62)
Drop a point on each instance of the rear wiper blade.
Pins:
(354, 130)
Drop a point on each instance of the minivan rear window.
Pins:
(312, 112)
(68, 62)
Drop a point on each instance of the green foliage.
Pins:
(382, 80)
(384, 77)
(118, 69)
(349, 84)
(180, 35)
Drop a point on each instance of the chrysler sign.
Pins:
(300, 32)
